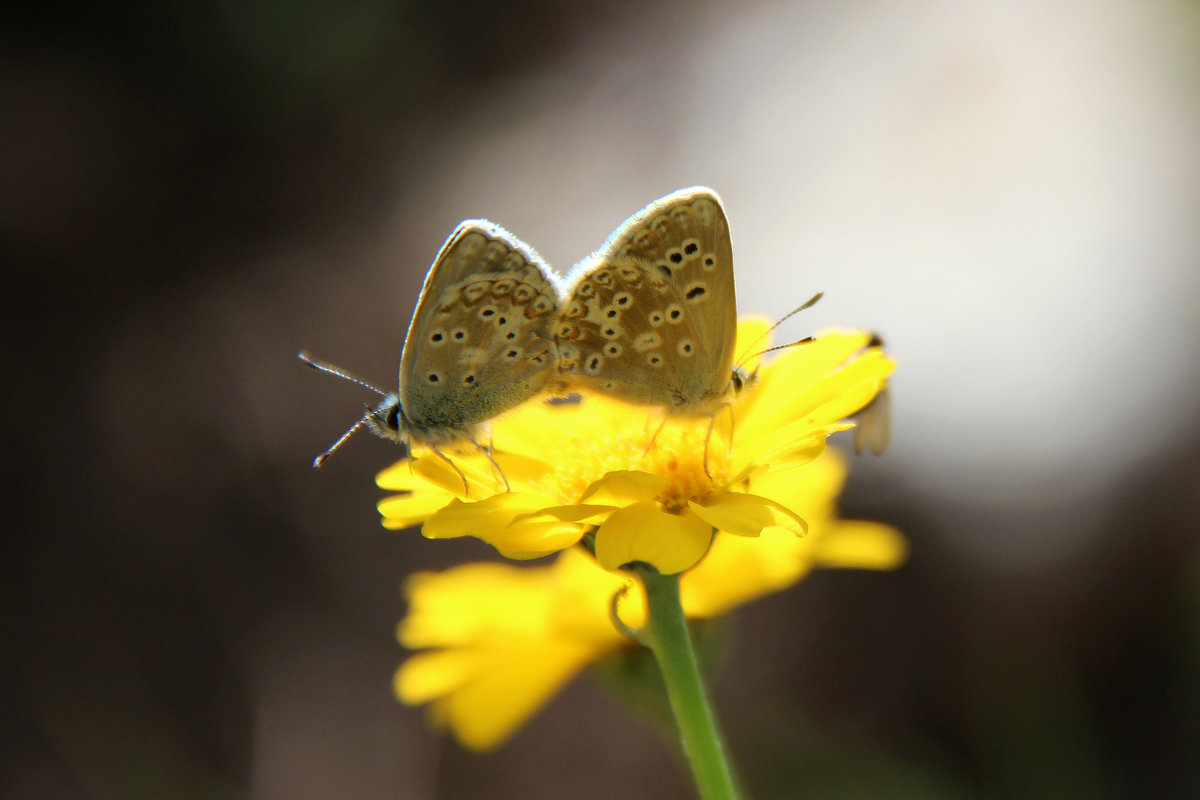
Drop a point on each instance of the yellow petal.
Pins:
(862, 545)
(482, 518)
(408, 510)
(746, 514)
(589, 514)
(503, 688)
(475, 604)
(427, 676)
(526, 540)
(493, 521)
(738, 569)
(808, 489)
(645, 532)
(399, 477)
(622, 487)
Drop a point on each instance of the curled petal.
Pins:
(747, 514)
(622, 487)
(483, 518)
(645, 532)
(589, 514)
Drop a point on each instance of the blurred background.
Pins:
(1008, 192)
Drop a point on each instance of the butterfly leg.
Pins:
(453, 466)
(487, 453)
(654, 436)
(712, 421)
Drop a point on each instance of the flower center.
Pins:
(676, 452)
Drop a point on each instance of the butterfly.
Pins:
(651, 317)
(480, 343)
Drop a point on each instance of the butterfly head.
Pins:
(740, 381)
(387, 420)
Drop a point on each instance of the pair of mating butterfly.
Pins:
(650, 319)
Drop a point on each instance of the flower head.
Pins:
(496, 641)
(651, 490)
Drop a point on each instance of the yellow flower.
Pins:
(649, 494)
(496, 641)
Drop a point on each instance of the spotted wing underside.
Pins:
(481, 341)
(651, 318)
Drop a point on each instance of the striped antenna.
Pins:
(809, 303)
(322, 366)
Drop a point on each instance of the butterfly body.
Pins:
(651, 317)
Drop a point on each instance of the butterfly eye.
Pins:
(392, 419)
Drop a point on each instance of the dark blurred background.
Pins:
(1009, 192)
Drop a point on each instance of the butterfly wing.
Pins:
(651, 317)
(480, 341)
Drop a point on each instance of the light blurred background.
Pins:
(1008, 192)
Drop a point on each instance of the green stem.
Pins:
(666, 634)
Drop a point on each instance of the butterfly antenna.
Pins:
(319, 460)
(805, 340)
(323, 366)
(809, 303)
